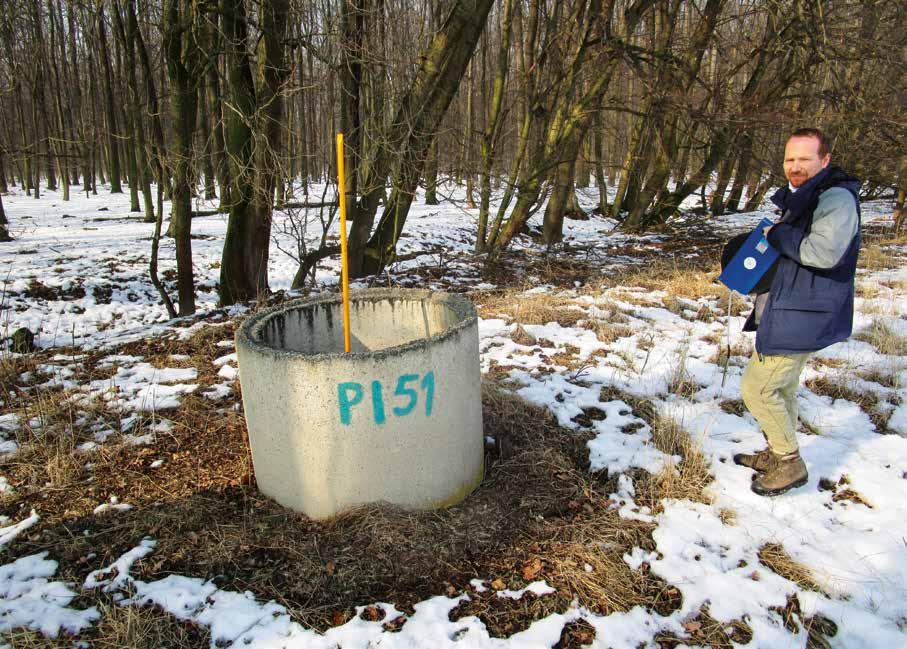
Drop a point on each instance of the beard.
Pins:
(798, 179)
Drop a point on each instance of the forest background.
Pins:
(521, 101)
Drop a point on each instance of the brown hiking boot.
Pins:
(760, 461)
(786, 472)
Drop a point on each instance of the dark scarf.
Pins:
(794, 204)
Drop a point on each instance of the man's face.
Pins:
(802, 160)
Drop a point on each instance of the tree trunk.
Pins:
(431, 174)
(526, 57)
(158, 147)
(635, 146)
(35, 167)
(759, 90)
(584, 165)
(741, 174)
(40, 96)
(155, 242)
(4, 233)
(124, 30)
(214, 44)
(353, 20)
(563, 197)
(110, 112)
(572, 108)
(235, 276)
(717, 202)
(466, 161)
(61, 149)
(184, 64)
(601, 181)
(207, 146)
(553, 222)
(898, 215)
(412, 130)
(271, 75)
(252, 134)
(493, 125)
(757, 193)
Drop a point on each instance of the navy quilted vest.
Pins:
(808, 309)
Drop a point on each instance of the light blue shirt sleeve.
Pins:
(835, 223)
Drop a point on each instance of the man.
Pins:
(809, 305)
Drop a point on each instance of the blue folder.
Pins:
(751, 262)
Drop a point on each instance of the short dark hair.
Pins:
(824, 147)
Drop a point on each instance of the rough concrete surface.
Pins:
(399, 419)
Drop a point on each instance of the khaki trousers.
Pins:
(769, 390)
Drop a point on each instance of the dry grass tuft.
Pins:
(586, 559)
(676, 281)
(867, 290)
(733, 407)
(687, 480)
(885, 379)
(535, 309)
(877, 256)
(12, 367)
(143, 628)
(683, 283)
(829, 388)
(866, 400)
(635, 297)
(610, 323)
(727, 516)
(28, 639)
(47, 438)
(120, 628)
(705, 631)
(740, 348)
(62, 466)
(608, 332)
(681, 382)
(774, 557)
(688, 309)
(843, 492)
(834, 363)
(522, 337)
(897, 285)
(880, 307)
(886, 341)
(610, 311)
(575, 635)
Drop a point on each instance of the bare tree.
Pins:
(185, 65)
(252, 127)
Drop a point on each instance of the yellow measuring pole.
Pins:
(344, 268)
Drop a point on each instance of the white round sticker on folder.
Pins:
(749, 263)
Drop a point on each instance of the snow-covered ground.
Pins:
(76, 276)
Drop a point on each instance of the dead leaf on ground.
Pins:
(532, 569)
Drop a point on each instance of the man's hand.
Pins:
(766, 230)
